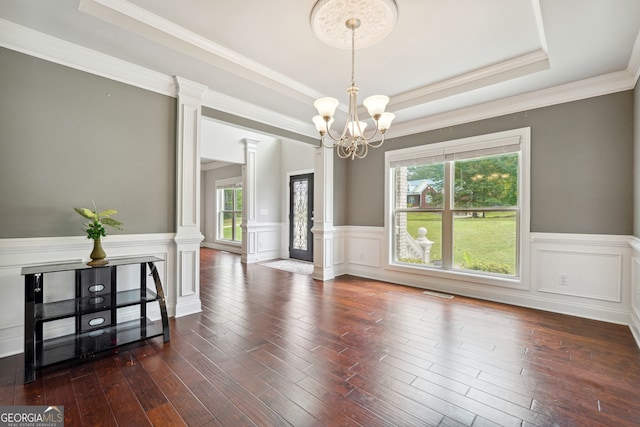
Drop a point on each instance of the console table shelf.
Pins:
(94, 310)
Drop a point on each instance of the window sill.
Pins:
(459, 276)
(228, 242)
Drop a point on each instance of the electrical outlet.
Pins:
(564, 280)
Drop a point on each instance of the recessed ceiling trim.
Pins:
(539, 24)
(597, 86)
(503, 71)
(153, 27)
(634, 59)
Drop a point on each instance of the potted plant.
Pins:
(95, 230)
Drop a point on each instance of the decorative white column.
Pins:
(323, 230)
(188, 236)
(249, 214)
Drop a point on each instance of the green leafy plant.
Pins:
(95, 228)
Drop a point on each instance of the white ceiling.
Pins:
(445, 62)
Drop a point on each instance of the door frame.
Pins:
(293, 253)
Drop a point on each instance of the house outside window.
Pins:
(460, 207)
(229, 210)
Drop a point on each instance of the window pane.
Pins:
(486, 182)
(227, 225)
(238, 229)
(238, 199)
(485, 242)
(220, 234)
(228, 199)
(300, 204)
(412, 245)
(424, 185)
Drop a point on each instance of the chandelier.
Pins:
(353, 141)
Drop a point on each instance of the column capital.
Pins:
(190, 88)
(250, 143)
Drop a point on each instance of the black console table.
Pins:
(94, 309)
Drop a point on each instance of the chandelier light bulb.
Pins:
(376, 104)
(384, 122)
(321, 124)
(356, 129)
(326, 106)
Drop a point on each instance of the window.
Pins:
(474, 218)
(229, 207)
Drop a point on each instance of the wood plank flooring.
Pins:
(273, 348)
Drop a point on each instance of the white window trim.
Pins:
(523, 135)
(221, 184)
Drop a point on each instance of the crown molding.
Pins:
(583, 89)
(503, 71)
(131, 17)
(634, 61)
(43, 46)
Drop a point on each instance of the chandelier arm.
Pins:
(362, 152)
(378, 144)
(342, 152)
(375, 132)
(337, 140)
(329, 144)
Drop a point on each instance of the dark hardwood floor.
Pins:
(273, 348)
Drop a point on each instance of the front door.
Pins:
(301, 217)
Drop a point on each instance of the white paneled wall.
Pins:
(635, 290)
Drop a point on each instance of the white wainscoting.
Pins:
(268, 242)
(18, 253)
(634, 321)
(582, 275)
(339, 251)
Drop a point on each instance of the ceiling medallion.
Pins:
(377, 19)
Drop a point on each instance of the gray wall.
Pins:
(581, 167)
(69, 137)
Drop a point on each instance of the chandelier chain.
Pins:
(353, 55)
